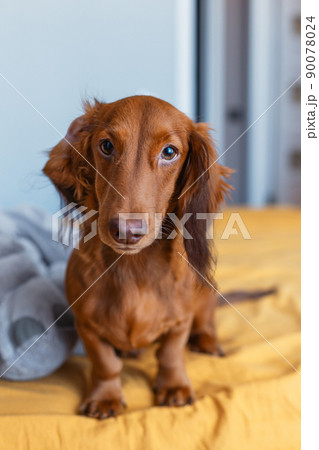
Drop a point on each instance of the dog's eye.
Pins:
(169, 153)
(106, 147)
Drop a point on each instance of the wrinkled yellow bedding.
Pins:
(248, 400)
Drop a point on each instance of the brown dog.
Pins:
(147, 155)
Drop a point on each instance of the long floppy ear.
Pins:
(69, 166)
(202, 187)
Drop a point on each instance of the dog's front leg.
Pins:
(106, 397)
(172, 386)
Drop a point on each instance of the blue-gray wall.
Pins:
(58, 52)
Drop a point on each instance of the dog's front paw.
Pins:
(174, 396)
(102, 409)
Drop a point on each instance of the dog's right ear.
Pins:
(69, 162)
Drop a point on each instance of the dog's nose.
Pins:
(127, 231)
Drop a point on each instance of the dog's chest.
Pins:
(138, 316)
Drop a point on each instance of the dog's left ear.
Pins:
(202, 186)
(69, 167)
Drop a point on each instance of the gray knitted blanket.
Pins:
(32, 268)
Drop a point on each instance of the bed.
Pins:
(250, 399)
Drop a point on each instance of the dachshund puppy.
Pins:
(140, 155)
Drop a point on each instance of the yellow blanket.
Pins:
(248, 400)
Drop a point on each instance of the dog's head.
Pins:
(138, 159)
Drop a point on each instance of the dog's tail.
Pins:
(237, 296)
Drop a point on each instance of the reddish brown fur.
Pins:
(150, 292)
